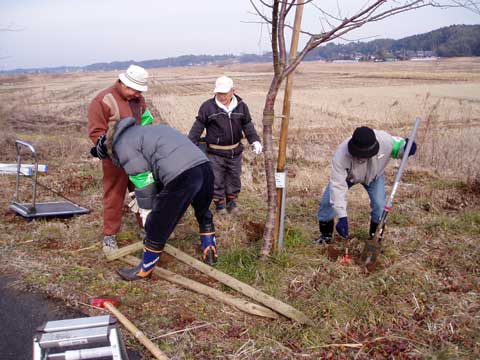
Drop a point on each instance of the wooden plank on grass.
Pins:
(124, 251)
(215, 294)
(226, 279)
(267, 300)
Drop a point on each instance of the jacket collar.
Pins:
(113, 134)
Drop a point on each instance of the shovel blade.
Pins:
(370, 251)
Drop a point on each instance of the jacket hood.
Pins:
(115, 130)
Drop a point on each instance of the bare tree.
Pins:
(274, 13)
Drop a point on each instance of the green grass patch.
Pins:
(240, 263)
(465, 223)
(294, 238)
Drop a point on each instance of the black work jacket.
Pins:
(222, 129)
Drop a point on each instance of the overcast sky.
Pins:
(55, 32)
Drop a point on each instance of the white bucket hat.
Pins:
(223, 84)
(135, 77)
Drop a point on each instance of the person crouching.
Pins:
(169, 173)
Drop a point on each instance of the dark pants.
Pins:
(193, 186)
(227, 175)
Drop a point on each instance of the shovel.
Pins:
(111, 303)
(373, 246)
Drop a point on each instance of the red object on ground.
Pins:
(99, 302)
(346, 260)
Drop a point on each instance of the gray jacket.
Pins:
(158, 149)
(346, 168)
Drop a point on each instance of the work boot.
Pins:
(232, 207)
(373, 229)
(220, 206)
(133, 274)
(109, 244)
(209, 248)
(144, 269)
(326, 232)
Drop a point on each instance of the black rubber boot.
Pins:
(326, 232)
(232, 207)
(220, 206)
(136, 273)
(373, 229)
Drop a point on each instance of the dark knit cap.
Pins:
(363, 143)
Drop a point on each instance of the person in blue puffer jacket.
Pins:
(169, 173)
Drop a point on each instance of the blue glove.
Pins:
(342, 227)
(413, 149)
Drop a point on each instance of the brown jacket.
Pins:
(109, 105)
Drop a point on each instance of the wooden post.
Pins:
(282, 146)
(240, 304)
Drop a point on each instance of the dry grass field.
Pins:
(421, 302)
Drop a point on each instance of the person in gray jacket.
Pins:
(169, 174)
(360, 159)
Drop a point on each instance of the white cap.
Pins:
(135, 77)
(223, 85)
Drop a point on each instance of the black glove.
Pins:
(100, 148)
(413, 149)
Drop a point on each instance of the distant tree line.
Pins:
(451, 41)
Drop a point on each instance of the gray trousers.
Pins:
(227, 173)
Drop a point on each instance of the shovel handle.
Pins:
(136, 332)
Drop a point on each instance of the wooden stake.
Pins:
(243, 305)
(267, 300)
(282, 144)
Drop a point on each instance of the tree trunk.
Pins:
(268, 119)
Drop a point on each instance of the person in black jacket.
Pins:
(169, 174)
(226, 118)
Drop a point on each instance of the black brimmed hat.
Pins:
(363, 143)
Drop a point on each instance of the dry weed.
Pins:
(420, 302)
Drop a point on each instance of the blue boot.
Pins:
(144, 269)
(209, 248)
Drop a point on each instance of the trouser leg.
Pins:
(169, 206)
(233, 183)
(325, 217)
(376, 193)
(201, 203)
(219, 165)
(115, 182)
(203, 198)
(325, 210)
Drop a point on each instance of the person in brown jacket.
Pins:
(121, 100)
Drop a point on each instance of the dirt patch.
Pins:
(254, 231)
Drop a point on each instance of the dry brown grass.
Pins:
(421, 302)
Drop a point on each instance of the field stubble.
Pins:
(421, 302)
